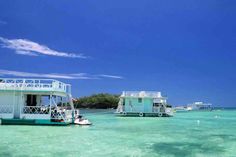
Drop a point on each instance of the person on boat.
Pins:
(80, 118)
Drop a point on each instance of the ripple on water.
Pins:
(178, 136)
(187, 149)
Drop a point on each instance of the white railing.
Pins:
(61, 114)
(68, 115)
(56, 113)
(35, 110)
(6, 109)
(34, 84)
(151, 94)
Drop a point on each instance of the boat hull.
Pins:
(136, 114)
(82, 122)
(31, 122)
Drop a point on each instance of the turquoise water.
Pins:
(193, 134)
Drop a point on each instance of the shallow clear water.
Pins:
(196, 134)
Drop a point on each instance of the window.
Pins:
(140, 100)
(31, 100)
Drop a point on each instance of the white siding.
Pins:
(7, 103)
(35, 116)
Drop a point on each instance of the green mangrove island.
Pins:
(97, 101)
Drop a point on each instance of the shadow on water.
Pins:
(96, 111)
(225, 137)
(186, 149)
(4, 151)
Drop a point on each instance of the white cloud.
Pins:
(28, 53)
(27, 47)
(111, 76)
(79, 76)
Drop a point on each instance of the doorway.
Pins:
(31, 100)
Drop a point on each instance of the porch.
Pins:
(40, 114)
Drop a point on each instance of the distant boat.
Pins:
(182, 109)
(196, 106)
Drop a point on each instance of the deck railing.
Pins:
(35, 110)
(142, 94)
(34, 84)
(62, 114)
(57, 113)
(6, 109)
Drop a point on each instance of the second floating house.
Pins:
(143, 103)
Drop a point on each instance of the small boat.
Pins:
(82, 121)
(182, 109)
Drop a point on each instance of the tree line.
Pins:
(97, 101)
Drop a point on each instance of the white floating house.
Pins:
(143, 103)
(200, 106)
(35, 102)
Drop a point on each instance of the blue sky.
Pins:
(185, 48)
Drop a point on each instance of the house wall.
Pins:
(9, 102)
(35, 116)
(6, 98)
(133, 105)
(13, 106)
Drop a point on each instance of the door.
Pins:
(147, 105)
(17, 105)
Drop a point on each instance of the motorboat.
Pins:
(82, 121)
